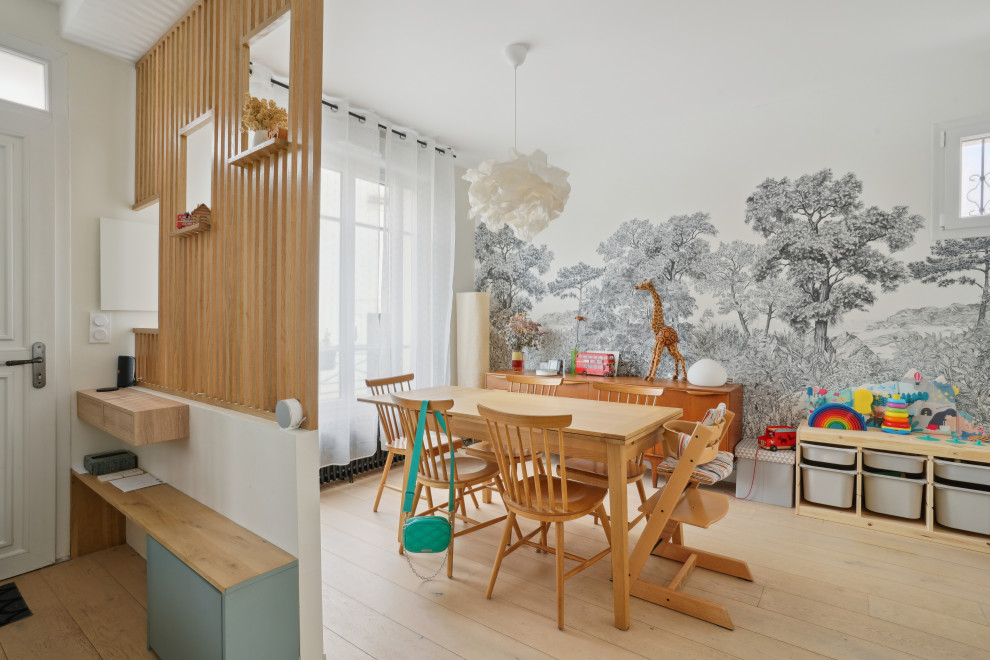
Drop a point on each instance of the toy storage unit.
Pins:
(829, 475)
(900, 484)
(771, 474)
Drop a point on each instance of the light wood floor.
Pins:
(90, 607)
(821, 590)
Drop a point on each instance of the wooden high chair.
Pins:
(679, 503)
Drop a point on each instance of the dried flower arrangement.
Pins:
(262, 114)
(523, 333)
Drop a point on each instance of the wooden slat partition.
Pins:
(237, 304)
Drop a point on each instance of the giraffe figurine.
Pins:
(666, 336)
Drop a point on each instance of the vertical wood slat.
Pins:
(237, 304)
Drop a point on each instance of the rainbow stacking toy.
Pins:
(836, 416)
(895, 420)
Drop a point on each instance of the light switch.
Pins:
(99, 328)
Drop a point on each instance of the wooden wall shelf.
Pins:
(137, 418)
(145, 203)
(197, 228)
(258, 152)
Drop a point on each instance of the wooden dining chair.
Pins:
(596, 472)
(540, 497)
(434, 467)
(680, 502)
(521, 384)
(388, 416)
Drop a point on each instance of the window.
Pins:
(961, 186)
(23, 80)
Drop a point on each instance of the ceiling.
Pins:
(598, 72)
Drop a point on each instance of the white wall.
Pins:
(245, 468)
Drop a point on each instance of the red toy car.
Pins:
(784, 437)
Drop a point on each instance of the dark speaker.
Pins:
(125, 371)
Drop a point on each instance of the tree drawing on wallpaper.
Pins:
(571, 282)
(672, 254)
(509, 269)
(959, 256)
(819, 236)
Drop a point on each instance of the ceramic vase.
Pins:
(257, 137)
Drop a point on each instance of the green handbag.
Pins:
(426, 534)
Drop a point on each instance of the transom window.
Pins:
(23, 80)
(975, 179)
(961, 181)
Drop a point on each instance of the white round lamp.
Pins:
(707, 373)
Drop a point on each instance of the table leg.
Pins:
(617, 463)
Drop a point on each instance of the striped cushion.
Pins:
(709, 473)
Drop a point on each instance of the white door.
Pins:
(27, 315)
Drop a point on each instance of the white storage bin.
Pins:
(830, 455)
(962, 508)
(885, 460)
(893, 496)
(828, 486)
(964, 472)
(763, 475)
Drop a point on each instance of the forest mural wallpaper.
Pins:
(818, 252)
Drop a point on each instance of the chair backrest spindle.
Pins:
(541, 385)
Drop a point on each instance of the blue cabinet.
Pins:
(189, 619)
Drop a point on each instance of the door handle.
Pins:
(39, 377)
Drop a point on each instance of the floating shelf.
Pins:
(145, 203)
(137, 418)
(197, 228)
(258, 152)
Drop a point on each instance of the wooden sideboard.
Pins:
(694, 400)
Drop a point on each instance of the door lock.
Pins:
(38, 378)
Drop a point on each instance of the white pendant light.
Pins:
(524, 192)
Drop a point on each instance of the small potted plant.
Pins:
(260, 116)
(522, 334)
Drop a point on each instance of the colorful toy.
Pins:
(666, 336)
(595, 364)
(784, 437)
(863, 402)
(896, 419)
(837, 416)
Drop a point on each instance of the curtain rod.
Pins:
(362, 119)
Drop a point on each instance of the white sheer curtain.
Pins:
(386, 270)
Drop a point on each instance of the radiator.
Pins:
(374, 462)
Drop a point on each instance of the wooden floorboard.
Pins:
(113, 621)
(129, 569)
(50, 631)
(820, 589)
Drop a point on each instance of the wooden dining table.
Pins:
(615, 432)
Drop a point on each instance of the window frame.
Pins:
(12, 49)
(947, 221)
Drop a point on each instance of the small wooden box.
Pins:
(137, 418)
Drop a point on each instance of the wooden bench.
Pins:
(215, 589)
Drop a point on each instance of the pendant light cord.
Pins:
(515, 108)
